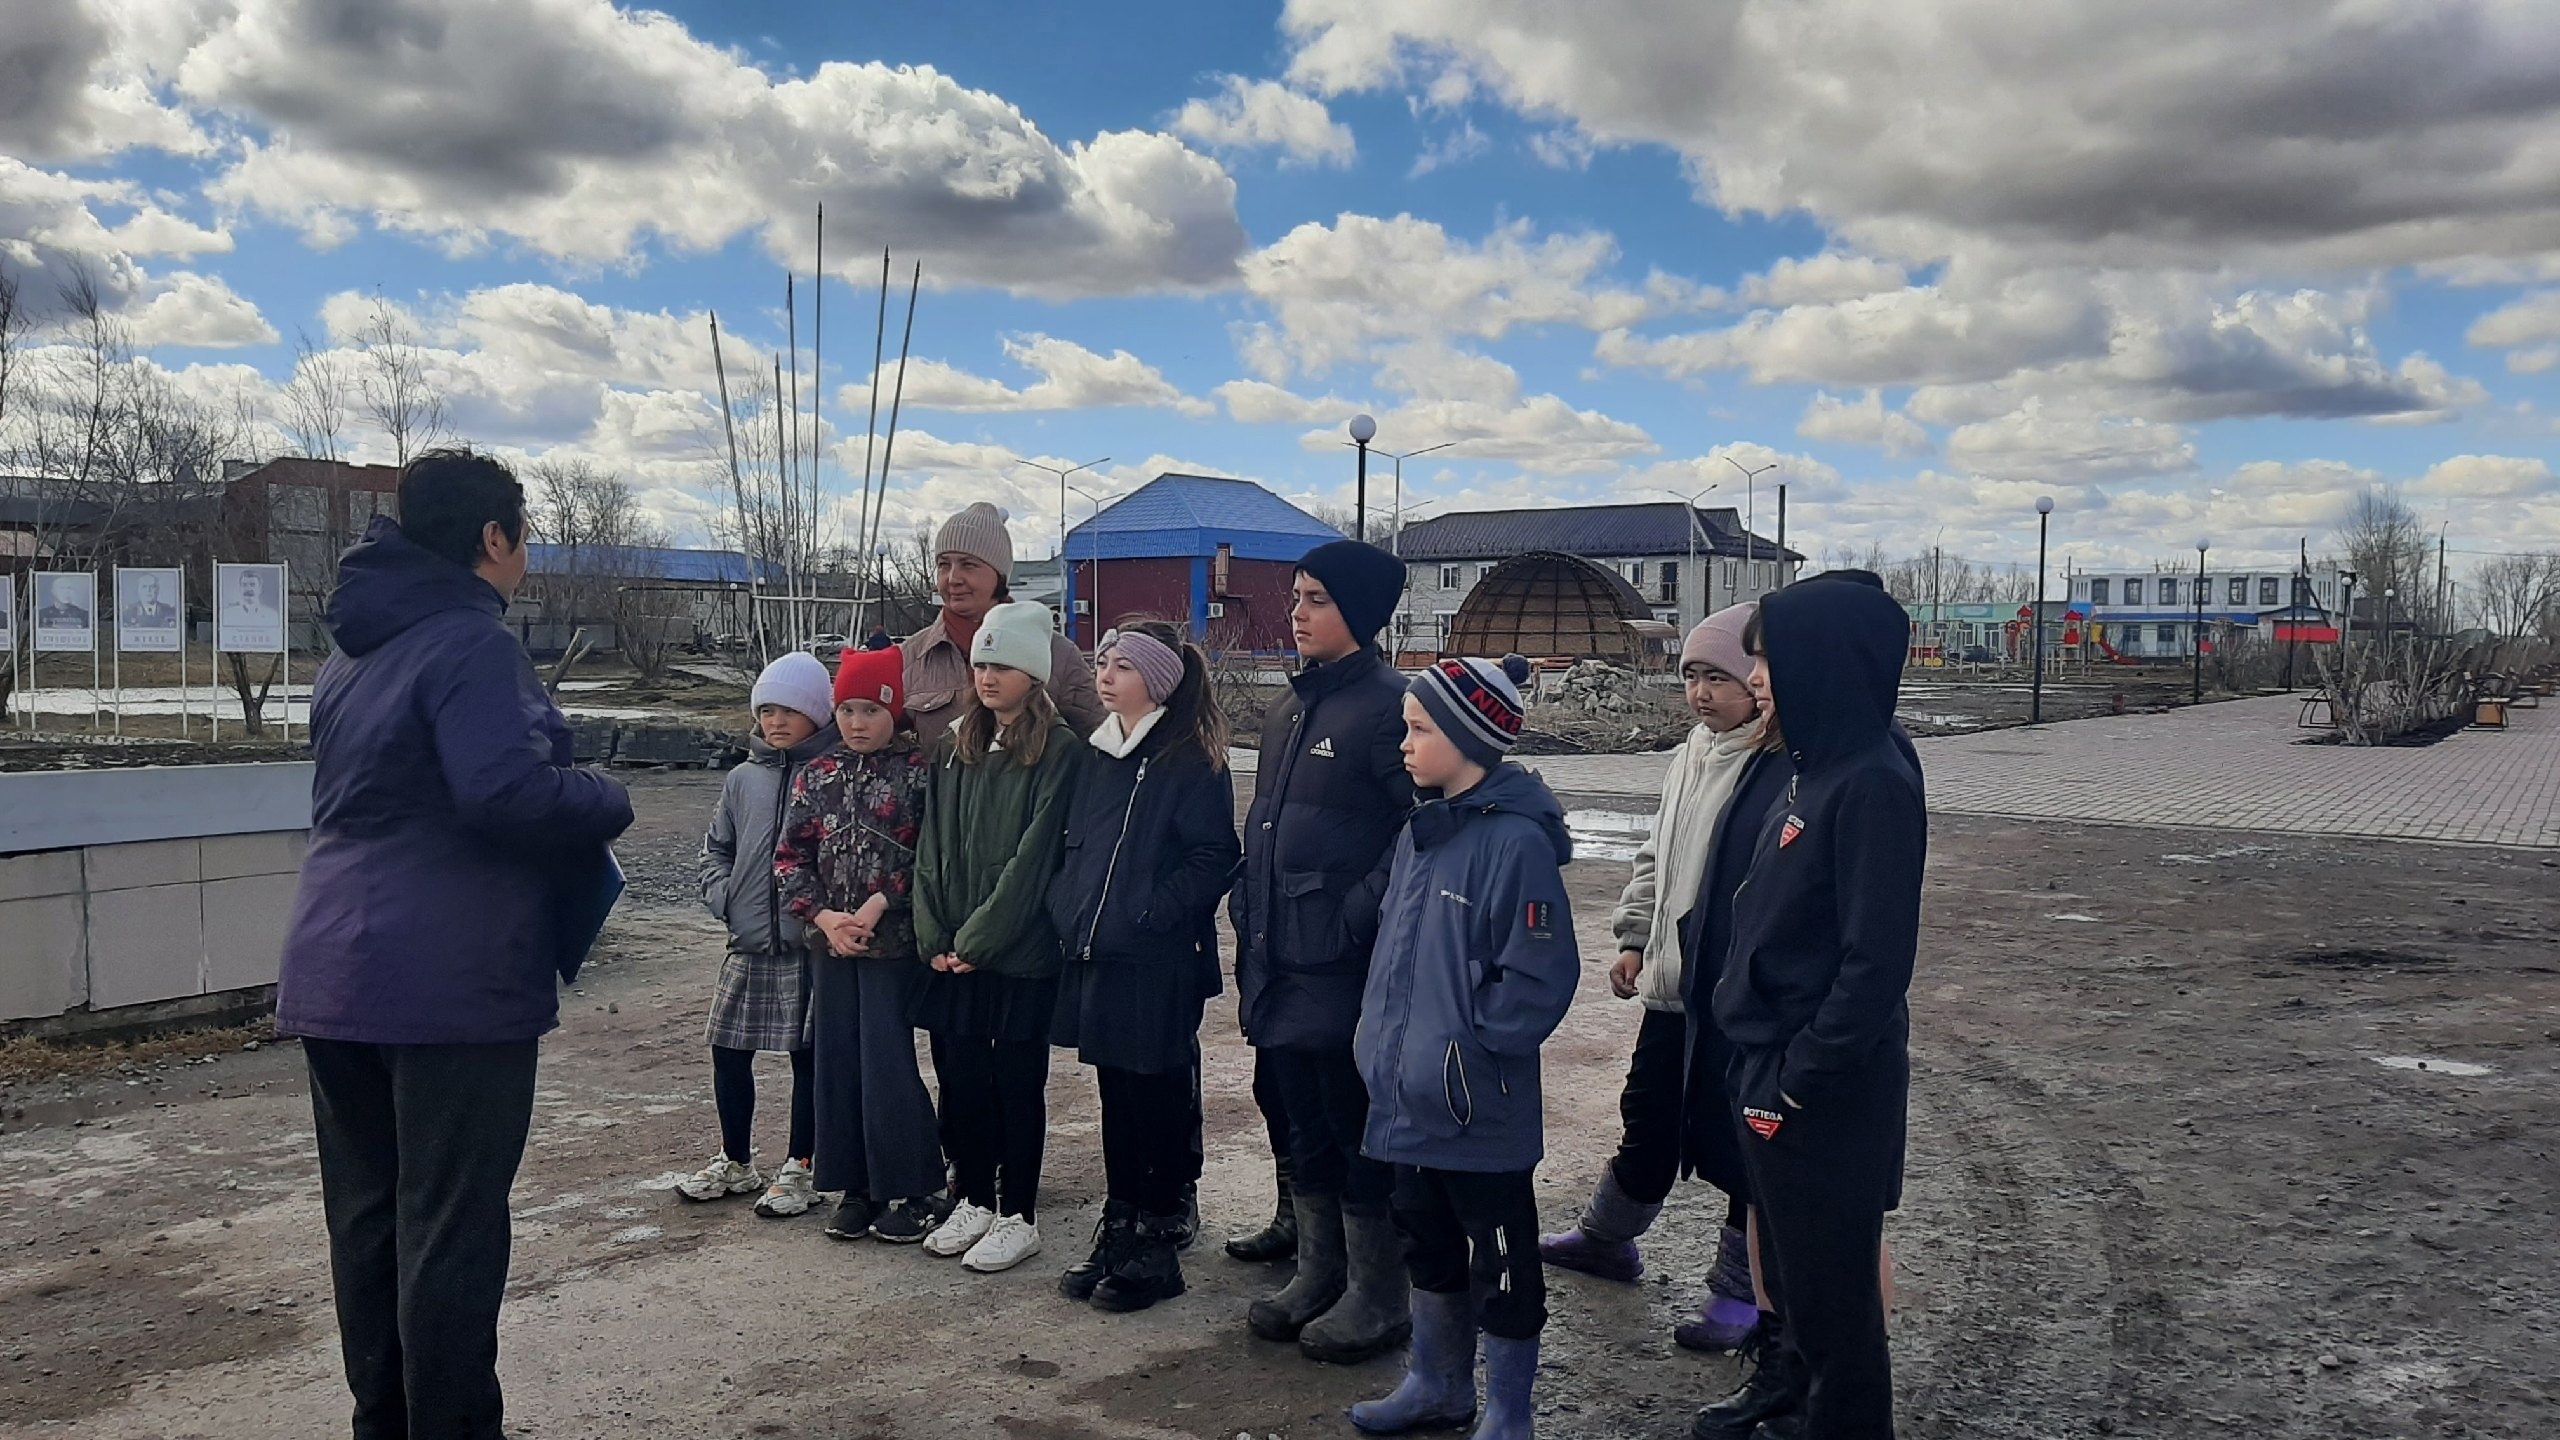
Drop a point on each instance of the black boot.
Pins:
(1189, 1229)
(1150, 1269)
(1275, 1241)
(1113, 1237)
(1775, 1388)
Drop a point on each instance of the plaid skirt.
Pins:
(762, 1002)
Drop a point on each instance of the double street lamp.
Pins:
(1094, 562)
(1689, 511)
(1062, 495)
(2196, 642)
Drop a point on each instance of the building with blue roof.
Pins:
(1209, 551)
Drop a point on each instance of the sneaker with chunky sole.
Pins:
(793, 1192)
(720, 1179)
(904, 1222)
(1008, 1242)
(967, 1225)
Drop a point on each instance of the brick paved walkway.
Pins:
(2232, 766)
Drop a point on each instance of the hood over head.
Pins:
(1506, 789)
(386, 584)
(1835, 666)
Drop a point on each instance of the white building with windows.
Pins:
(2153, 614)
(1686, 562)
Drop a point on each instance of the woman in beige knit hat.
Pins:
(972, 568)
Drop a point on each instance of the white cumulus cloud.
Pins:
(1264, 114)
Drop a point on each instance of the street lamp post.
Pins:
(1689, 509)
(1062, 495)
(1363, 430)
(2035, 700)
(2195, 642)
(1094, 559)
(1395, 537)
(2390, 593)
(1750, 511)
(2346, 618)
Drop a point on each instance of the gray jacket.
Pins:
(738, 850)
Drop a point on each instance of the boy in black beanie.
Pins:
(1330, 795)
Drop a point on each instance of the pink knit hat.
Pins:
(1717, 641)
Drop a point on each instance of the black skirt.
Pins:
(1133, 1015)
(982, 1005)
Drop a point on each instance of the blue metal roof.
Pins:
(1185, 515)
(649, 562)
(1649, 527)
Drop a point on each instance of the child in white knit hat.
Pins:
(762, 999)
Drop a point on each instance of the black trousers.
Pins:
(1822, 1183)
(1649, 1108)
(733, 1094)
(1475, 1230)
(1328, 1106)
(876, 1129)
(995, 1118)
(419, 1146)
(1275, 1110)
(1148, 1126)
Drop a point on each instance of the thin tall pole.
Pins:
(781, 457)
(897, 398)
(817, 375)
(2195, 642)
(1782, 523)
(2035, 705)
(1362, 500)
(871, 426)
(791, 446)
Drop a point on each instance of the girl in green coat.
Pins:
(994, 827)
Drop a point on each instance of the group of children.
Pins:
(1016, 885)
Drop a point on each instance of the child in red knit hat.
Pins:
(846, 870)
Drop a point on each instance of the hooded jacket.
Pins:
(738, 851)
(1826, 924)
(1329, 796)
(990, 842)
(449, 827)
(1150, 851)
(1663, 885)
(1476, 963)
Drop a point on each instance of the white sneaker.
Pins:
(968, 1224)
(793, 1191)
(1010, 1241)
(720, 1179)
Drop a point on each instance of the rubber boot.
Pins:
(1510, 1378)
(1321, 1272)
(1375, 1314)
(1112, 1238)
(1189, 1230)
(1775, 1388)
(1438, 1391)
(1277, 1240)
(1603, 1242)
(1725, 1325)
(1149, 1270)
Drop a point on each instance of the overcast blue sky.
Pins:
(2188, 270)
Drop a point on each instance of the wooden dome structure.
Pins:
(1548, 605)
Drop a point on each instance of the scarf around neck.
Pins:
(1111, 740)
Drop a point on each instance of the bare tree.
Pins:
(2517, 595)
(604, 569)
(314, 401)
(394, 385)
(2388, 550)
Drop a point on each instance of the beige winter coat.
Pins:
(937, 674)
(1672, 862)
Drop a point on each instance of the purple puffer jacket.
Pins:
(447, 817)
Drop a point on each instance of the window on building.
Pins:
(1449, 577)
(1670, 582)
(2168, 590)
(2266, 590)
(1481, 572)
(2098, 592)
(2133, 592)
(2239, 590)
(2169, 636)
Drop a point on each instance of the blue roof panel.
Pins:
(650, 562)
(1184, 515)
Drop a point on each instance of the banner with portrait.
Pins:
(66, 611)
(150, 611)
(248, 609)
(8, 618)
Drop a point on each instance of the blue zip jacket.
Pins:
(1474, 967)
(449, 829)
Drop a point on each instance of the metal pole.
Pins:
(2195, 642)
(1363, 497)
(2035, 704)
(1782, 522)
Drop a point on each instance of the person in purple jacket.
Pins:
(451, 839)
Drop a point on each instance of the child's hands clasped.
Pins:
(952, 964)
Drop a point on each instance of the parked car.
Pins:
(826, 647)
(1980, 655)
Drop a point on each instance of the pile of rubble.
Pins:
(1598, 688)
(1600, 708)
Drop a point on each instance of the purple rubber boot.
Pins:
(1603, 1242)
(1730, 1317)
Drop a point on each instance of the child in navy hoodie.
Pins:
(1474, 967)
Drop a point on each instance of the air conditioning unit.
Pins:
(1084, 607)
(1217, 610)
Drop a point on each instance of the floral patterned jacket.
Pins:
(849, 833)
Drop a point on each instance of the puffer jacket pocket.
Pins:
(1311, 922)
